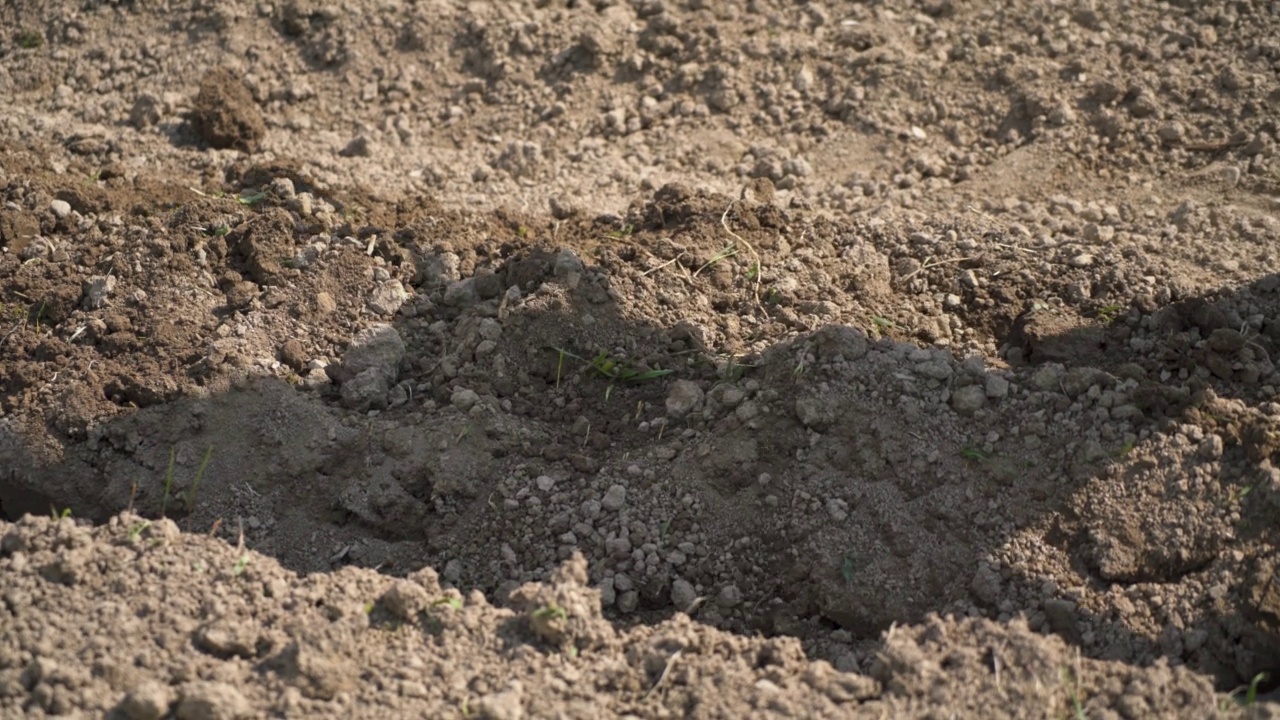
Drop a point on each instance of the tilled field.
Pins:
(649, 359)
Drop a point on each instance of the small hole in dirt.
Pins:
(827, 623)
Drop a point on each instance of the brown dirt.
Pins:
(722, 359)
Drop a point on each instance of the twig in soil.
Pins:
(693, 606)
(656, 269)
(1019, 248)
(168, 483)
(666, 670)
(213, 531)
(928, 265)
(755, 293)
(995, 663)
(12, 330)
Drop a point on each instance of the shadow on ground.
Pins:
(614, 391)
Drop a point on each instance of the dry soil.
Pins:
(661, 358)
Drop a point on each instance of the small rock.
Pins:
(507, 705)
(684, 397)
(803, 80)
(968, 399)
(797, 167)
(1226, 341)
(148, 701)
(985, 586)
(1171, 133)
(682, 594)
(368, 390)
(461, 294)
(212, 701)
(452, 571)
(1061, 616)
(730, 597)
(464, 399)
(145, 111)
(293, 354)
(568, 268)
(614, 498)
(224, 639)
(1048, 377)
(1095, 233)
(325, 303)
(997, 387)
(359, 146)
(378, 346)
(1211, 447)
(387, 298)
(405, 599)
(97, 289)
(1083, 260)
(545, 483)
(61, 208)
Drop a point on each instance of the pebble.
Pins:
(148, 701)
(730, 597)
(968, 399)
(683, 398)
(682, 594)
(387, 298)
(614, 498)
(464, 399)
(212, 701)
(61, 208)
(997, 387)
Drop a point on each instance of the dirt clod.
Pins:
(224, 113)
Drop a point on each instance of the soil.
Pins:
(639, 359)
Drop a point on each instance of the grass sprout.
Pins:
(614, 370)
(251, 198)
(727, 252)
(1073, 691)
(450, 602)
(30, 40)
(168, 484)
(190, 498)
(551, 611)
(1109, 313)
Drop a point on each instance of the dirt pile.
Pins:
(208, 630)
(744, 330)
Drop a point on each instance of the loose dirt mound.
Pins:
(724, 348)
